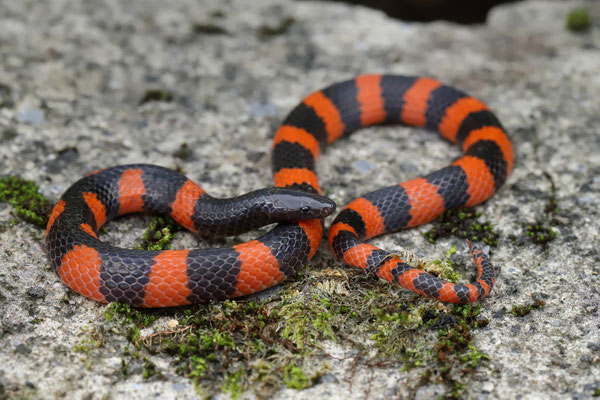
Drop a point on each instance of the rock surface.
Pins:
(76, 71)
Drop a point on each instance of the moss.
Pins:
(522, 310)
(198, 367)
(596, 392)
(28, 204)
(124, 315)
(92, 339)
(472, 356)
(209, 29)
(6, 99)
(463, 223)
(150, 370)
(541, 231)
(159, 234)
(124, 370)
(456, 353)
(551, 206)
(452, 340)
(295, 378)
(235, 346)
(233, 384)
(457, 390)
(183, 152)
(578, 20)
(306, 323)
(216, 340)
(279, 29)
(444, 268)
(156, 95)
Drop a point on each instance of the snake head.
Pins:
(298, 205)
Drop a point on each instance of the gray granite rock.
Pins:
(78, 69)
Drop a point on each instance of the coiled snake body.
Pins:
(177, 277)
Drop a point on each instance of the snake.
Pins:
(167, 278)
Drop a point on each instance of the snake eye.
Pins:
(305, 209)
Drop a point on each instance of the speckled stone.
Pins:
(77, 71)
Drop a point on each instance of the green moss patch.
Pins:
(159, 234)
(209, 29)
(541, 231)
(463, 223)
(524, 309)
(28, 204)
(184, 152)
(156, 95)
(578, 20)
(456, 351)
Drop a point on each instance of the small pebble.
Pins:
(32, 116)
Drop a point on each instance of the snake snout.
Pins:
(325, 205)
(294, 204)
(314, 206)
